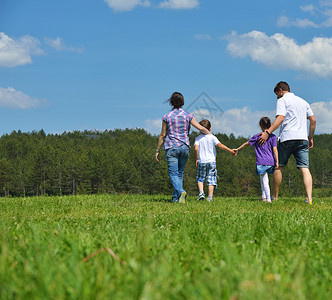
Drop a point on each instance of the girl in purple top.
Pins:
(266, 157)
(175, 134)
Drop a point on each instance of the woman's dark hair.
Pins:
(205, 123)
(176, 100)
(281, 85)
(265, 123)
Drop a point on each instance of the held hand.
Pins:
(235, 152)
(157, 156)
(196, 163)
(311, 143)
(263, 138)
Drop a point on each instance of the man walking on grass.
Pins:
(292, 113)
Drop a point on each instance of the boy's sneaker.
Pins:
(183, 197)
(210, 199)
(201, 196)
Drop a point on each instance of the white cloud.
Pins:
(323, 114)
(239, 121)
(304, 23)
(9, 97)
(60, 45)
(18, 52)
(245, 122)
(328, 21)
(308, 8)
(325, 3)
(284, 21)
(126, 5)
(280, 52)
(321, 11)
(153, 126)
(179, 4)
(202, 37)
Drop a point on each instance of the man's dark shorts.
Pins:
(300, 150)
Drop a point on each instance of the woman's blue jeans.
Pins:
(176, 160)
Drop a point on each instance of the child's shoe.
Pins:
(209, 198)
(201, 196)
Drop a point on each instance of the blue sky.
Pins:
(105, 64)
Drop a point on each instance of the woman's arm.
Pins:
(199, 127)
(161, 139)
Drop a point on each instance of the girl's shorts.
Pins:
(261, 169)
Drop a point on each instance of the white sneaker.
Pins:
(201, 196)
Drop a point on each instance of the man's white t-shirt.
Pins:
(206, 148)
(296, 111)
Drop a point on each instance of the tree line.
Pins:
(122, 161)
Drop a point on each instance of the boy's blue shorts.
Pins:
(209, 171)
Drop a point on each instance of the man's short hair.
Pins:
(206, 123)
(282, 85)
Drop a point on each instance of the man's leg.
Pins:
(307, 180)
(302, 162)
(277, 178)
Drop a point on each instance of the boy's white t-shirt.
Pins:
(206, 148)
(296, 111)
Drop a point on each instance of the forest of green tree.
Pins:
(122, 161)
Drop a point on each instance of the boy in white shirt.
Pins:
(205, 154)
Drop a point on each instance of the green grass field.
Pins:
(233, 248)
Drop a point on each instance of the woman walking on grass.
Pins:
(175, 135)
